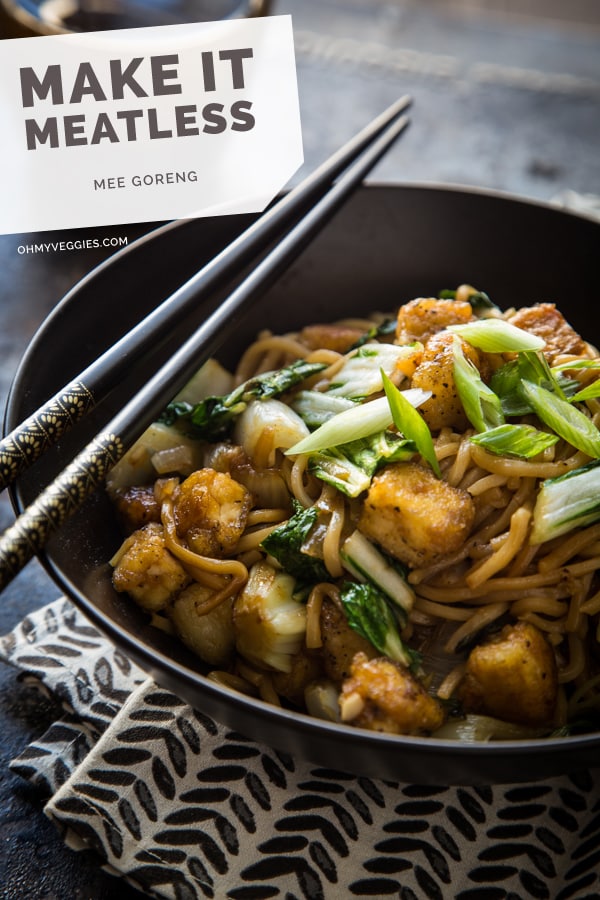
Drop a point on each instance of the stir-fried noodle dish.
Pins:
(391, 523)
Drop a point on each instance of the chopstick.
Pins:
(44, 427)
(67, 493)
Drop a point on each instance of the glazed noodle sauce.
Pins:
(377, 535)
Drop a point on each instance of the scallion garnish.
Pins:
(565, 420)
(410, 423)
(497, 336)
(482, 407)
(361, 421)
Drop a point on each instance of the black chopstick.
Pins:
(28, 535)
(43, 428)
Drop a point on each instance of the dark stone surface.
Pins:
(505, 103)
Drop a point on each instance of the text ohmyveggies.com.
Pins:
(61, 246)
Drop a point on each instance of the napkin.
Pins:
(184, 808)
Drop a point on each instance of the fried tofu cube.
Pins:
(382, 695)
(210, 512)
(419, 319)
(435, 373)
(415, 516)
(512, 677)
(146, 570)
(545, 321)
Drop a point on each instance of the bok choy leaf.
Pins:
(523, 441)
(370, 614)
(567, 502)
(360, 376)
(211, 418)
(285, 544)
(350, 467)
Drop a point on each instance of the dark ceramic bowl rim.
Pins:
(155, 662)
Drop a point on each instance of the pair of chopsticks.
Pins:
(304, 211)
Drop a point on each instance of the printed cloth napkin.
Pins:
(185, 808)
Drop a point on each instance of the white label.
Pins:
(147, 124)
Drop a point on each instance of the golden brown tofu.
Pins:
(513, 677)
(340, 643)
(332, 337)
(146, 570)
(136, 506)
(382, 695)
(435, 373)
(414, 515)
(547, 322)
(210, 512)
(419, 319)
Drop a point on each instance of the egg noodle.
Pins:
(496, 576)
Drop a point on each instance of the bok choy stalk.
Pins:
(369, 564)
(370, 614)
(350, 467)
(569, 501)
(211, 418)
(285, 544)
(316, 407)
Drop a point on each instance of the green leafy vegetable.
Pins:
(497, 336)
(523, 441)
(388, 326)
(565, 420)
(351, 466)
(506, 382)
(479, 300)
(360, 376)
(409, 423)
(369, 613)
(482, 406)
(211, 418)
(569, 501)
(285, 544)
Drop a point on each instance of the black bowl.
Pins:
(388, 244)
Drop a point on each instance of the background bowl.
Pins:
(388, 245)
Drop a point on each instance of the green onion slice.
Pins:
(497, 336)
(565, 420)
(482, 407)
(410, 423)
(361, 421)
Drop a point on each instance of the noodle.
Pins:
(486, 584)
